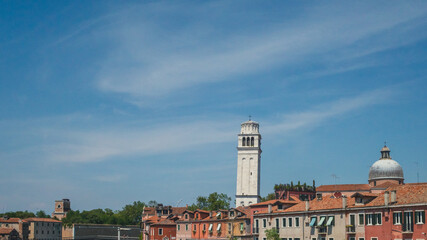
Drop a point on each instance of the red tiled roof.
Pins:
(410, 193)
(178, 210)
(344, 187)
(42, 220)
(325, 203)
(10, 220)
(365, 194)
(164, 221)
(6, 230)
(385, 185)
(273, 202)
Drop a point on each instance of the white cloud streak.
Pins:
(150, 66)
(115, 143)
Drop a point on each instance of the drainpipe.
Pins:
(269, 208)
(386, 198)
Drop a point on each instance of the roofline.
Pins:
(348, 209)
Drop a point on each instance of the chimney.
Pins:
(386, 198)
(393, 196)
(307, 205)
(344, 202)
(210, 214)
(269, 208)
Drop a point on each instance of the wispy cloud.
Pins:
(118, 142)
(314, 117)
(201, 56)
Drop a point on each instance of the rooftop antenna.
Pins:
(335, 180)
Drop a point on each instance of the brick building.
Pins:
(15, 223)
(44, 228)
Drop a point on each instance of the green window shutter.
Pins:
(374, 219)
(423, 216)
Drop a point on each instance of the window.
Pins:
(186, 227)
(210, 227)
(408, 224)
(284, 222)
(296, 238)
(374, 238)
(160, 231)
(361, 238)
(361, 219)
(242, 227)
(290, 222)
(331, 221)
(229, 227)
(204, 227)
(297, 222)
(331, 238)
(379, 219)
(284, 239)
(369, 219)
(194, 227)
(420, 217)
(313, 222)
(397, 218)
(277, 223)
(186, 216)
(179, 227)
(264, 223)
(280, 206)
(313, 239)
(352, 238)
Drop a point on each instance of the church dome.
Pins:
(385, 168)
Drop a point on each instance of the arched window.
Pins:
(248, 141)
(252, 141)
(243, 141)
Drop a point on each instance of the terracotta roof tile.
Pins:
(344, 187)
(6, 230)
(10, 220)
(273, 202)
(178, 210)
(410, 193)
(42, 220)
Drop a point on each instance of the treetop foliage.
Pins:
(213, 202)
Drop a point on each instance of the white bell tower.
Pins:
(248, 164)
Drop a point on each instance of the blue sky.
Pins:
(111, 102)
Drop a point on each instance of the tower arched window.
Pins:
(252, 141)
(248, 141)
(243, 141)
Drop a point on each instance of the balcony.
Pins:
(255, 230)
(323, 230)
(350, 229)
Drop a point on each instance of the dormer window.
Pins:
(359, 200)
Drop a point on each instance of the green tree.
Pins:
(132, 213)
(18, 214)
(152, 203)
(270, 196)
(213, 202)
(272, 234)
(42, 214)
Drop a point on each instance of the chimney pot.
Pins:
(344, 202)
(393, 196)
(386, 198)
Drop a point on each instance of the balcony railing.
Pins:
(350, 229)
(323, 230)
